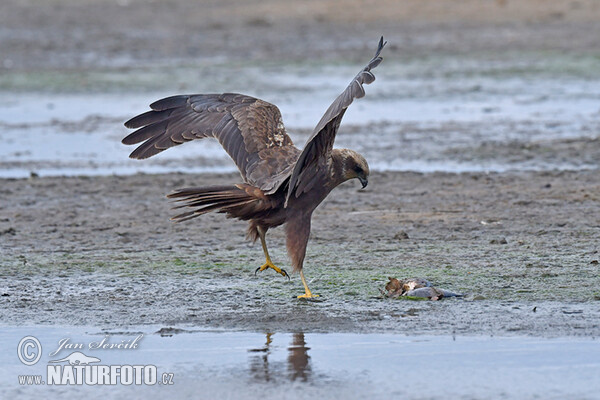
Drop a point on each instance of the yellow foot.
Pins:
(269, 264)
(308, 295)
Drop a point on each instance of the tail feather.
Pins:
(185, 192)
(203, 200)
(197, 212)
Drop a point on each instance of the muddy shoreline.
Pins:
(102, 251)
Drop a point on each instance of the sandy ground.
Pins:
(101, 251)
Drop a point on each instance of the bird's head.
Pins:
(353, 165)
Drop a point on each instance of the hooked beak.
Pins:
(363, 181)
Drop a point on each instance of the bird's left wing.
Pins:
(249, 129)
(318, 148)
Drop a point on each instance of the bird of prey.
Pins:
(281, 183)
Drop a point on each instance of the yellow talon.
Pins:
(269, 264)
(307, 293)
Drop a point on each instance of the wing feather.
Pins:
(169, 103)
(147, 118)
(245, 126)
(146, 132)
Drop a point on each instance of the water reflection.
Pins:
(298, 358)
(211, 365)
(298, 361)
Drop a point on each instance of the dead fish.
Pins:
(415, 287)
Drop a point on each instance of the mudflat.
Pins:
(522, 246)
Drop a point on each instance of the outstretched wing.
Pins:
(249, 129)
(318, 148)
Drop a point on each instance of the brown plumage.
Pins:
(281, 183)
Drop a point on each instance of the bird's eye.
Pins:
(358, 169)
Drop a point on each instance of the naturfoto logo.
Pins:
(78, 368)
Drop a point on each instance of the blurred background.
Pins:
(473, 85)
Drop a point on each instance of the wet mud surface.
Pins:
(522, 247)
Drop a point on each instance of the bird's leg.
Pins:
(307, 294)
(268, 263)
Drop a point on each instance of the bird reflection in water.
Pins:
(298, 361)
(298, 358)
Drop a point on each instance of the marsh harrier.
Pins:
(281, 183)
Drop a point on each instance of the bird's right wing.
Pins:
(249, 129)
(318, 147)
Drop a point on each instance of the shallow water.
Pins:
(445, 121)
(215, 364)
